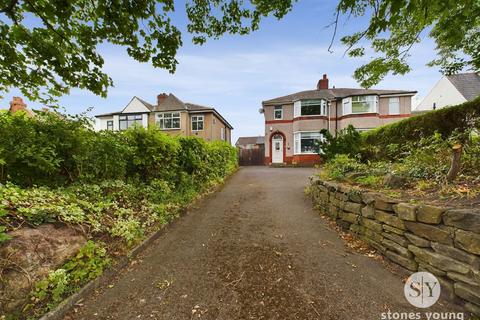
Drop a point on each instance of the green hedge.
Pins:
(444, 121)
(52, 150)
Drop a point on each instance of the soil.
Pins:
(254, 250)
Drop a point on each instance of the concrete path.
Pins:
(254, 250)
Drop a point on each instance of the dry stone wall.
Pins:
(444, 241)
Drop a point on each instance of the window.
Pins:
(197, 123)
(222, 134)
(128, 121)
(307, 142)
(278, 112)
(394, 105)
(364, 104)
(168, 120)
(110, 125)
(310, 108)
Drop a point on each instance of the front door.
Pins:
(277, 149)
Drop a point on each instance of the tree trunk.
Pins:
(456, 163)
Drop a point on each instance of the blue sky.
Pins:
(234, 74)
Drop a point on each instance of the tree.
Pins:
(397, 25)
(50, 46)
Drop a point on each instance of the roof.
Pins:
(250, 140)
(172, 103)
(468, 84)
(333, 93)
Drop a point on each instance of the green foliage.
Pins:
(369, 180)
(347, 141)
(88, 264)
(460, 119)
(52, 288)
(56, 49)
(395, 26)
(342, 165)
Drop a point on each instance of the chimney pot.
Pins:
(161, 97)
(323, 83)
(17, 104)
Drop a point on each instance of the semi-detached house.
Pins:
(293, 122)
(172, 116)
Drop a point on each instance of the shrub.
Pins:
(341, 165)
(347, 141)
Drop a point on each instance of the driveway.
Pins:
(254, 250)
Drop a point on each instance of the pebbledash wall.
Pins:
(444, 241)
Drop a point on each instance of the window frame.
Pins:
(299, 104)
(160, 120)
(198, 119)
(297, 141)
(223, 133)
(275, 109)
(397, 102)
(124, 118)
(372, 99)
(110, 124)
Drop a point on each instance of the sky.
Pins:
(236, 73)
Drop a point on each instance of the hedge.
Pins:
(51, 149)
(444, 121)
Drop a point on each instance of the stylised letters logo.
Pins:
(422, 289)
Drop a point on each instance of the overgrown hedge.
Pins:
(53, 150)
(444, 121)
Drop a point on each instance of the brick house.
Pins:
(171, 115)
(293, 122)
(17, 105)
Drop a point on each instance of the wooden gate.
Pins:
(251, 157)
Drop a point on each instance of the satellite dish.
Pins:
(261, 110)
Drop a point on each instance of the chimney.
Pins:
(323, 83)
(17, 104)
(161, 97)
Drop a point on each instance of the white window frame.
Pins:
(222, 133)
(110, 125)
(391, 103)
(125, 118)
(161, 117)
(198, 119)
(297, 141)
(297, 107)
(275, 109)
(373, 99)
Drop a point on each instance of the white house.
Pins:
(450, 91)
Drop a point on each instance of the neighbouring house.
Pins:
(250, 142)
(450, 91)
(293, 122)
(171, 115)
(17, 105)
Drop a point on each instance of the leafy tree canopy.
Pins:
(49, 46)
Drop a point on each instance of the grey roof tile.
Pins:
(468, 84)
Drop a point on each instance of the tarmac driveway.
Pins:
(254, 250)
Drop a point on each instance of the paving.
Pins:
(256, 249)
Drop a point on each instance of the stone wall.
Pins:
(444, 241)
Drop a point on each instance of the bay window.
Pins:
(197, 123)
(168, 120)
(364, 104)
(128, 121)
(307, 142)
(310, 108)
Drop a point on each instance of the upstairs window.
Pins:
(364, 104)
(278, 112)
(168, 120)
(110, 125)
(394, 105)
(310, 108)
(197, 123)
(222, 133)
(128, 121)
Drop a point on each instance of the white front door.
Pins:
(277, 149)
